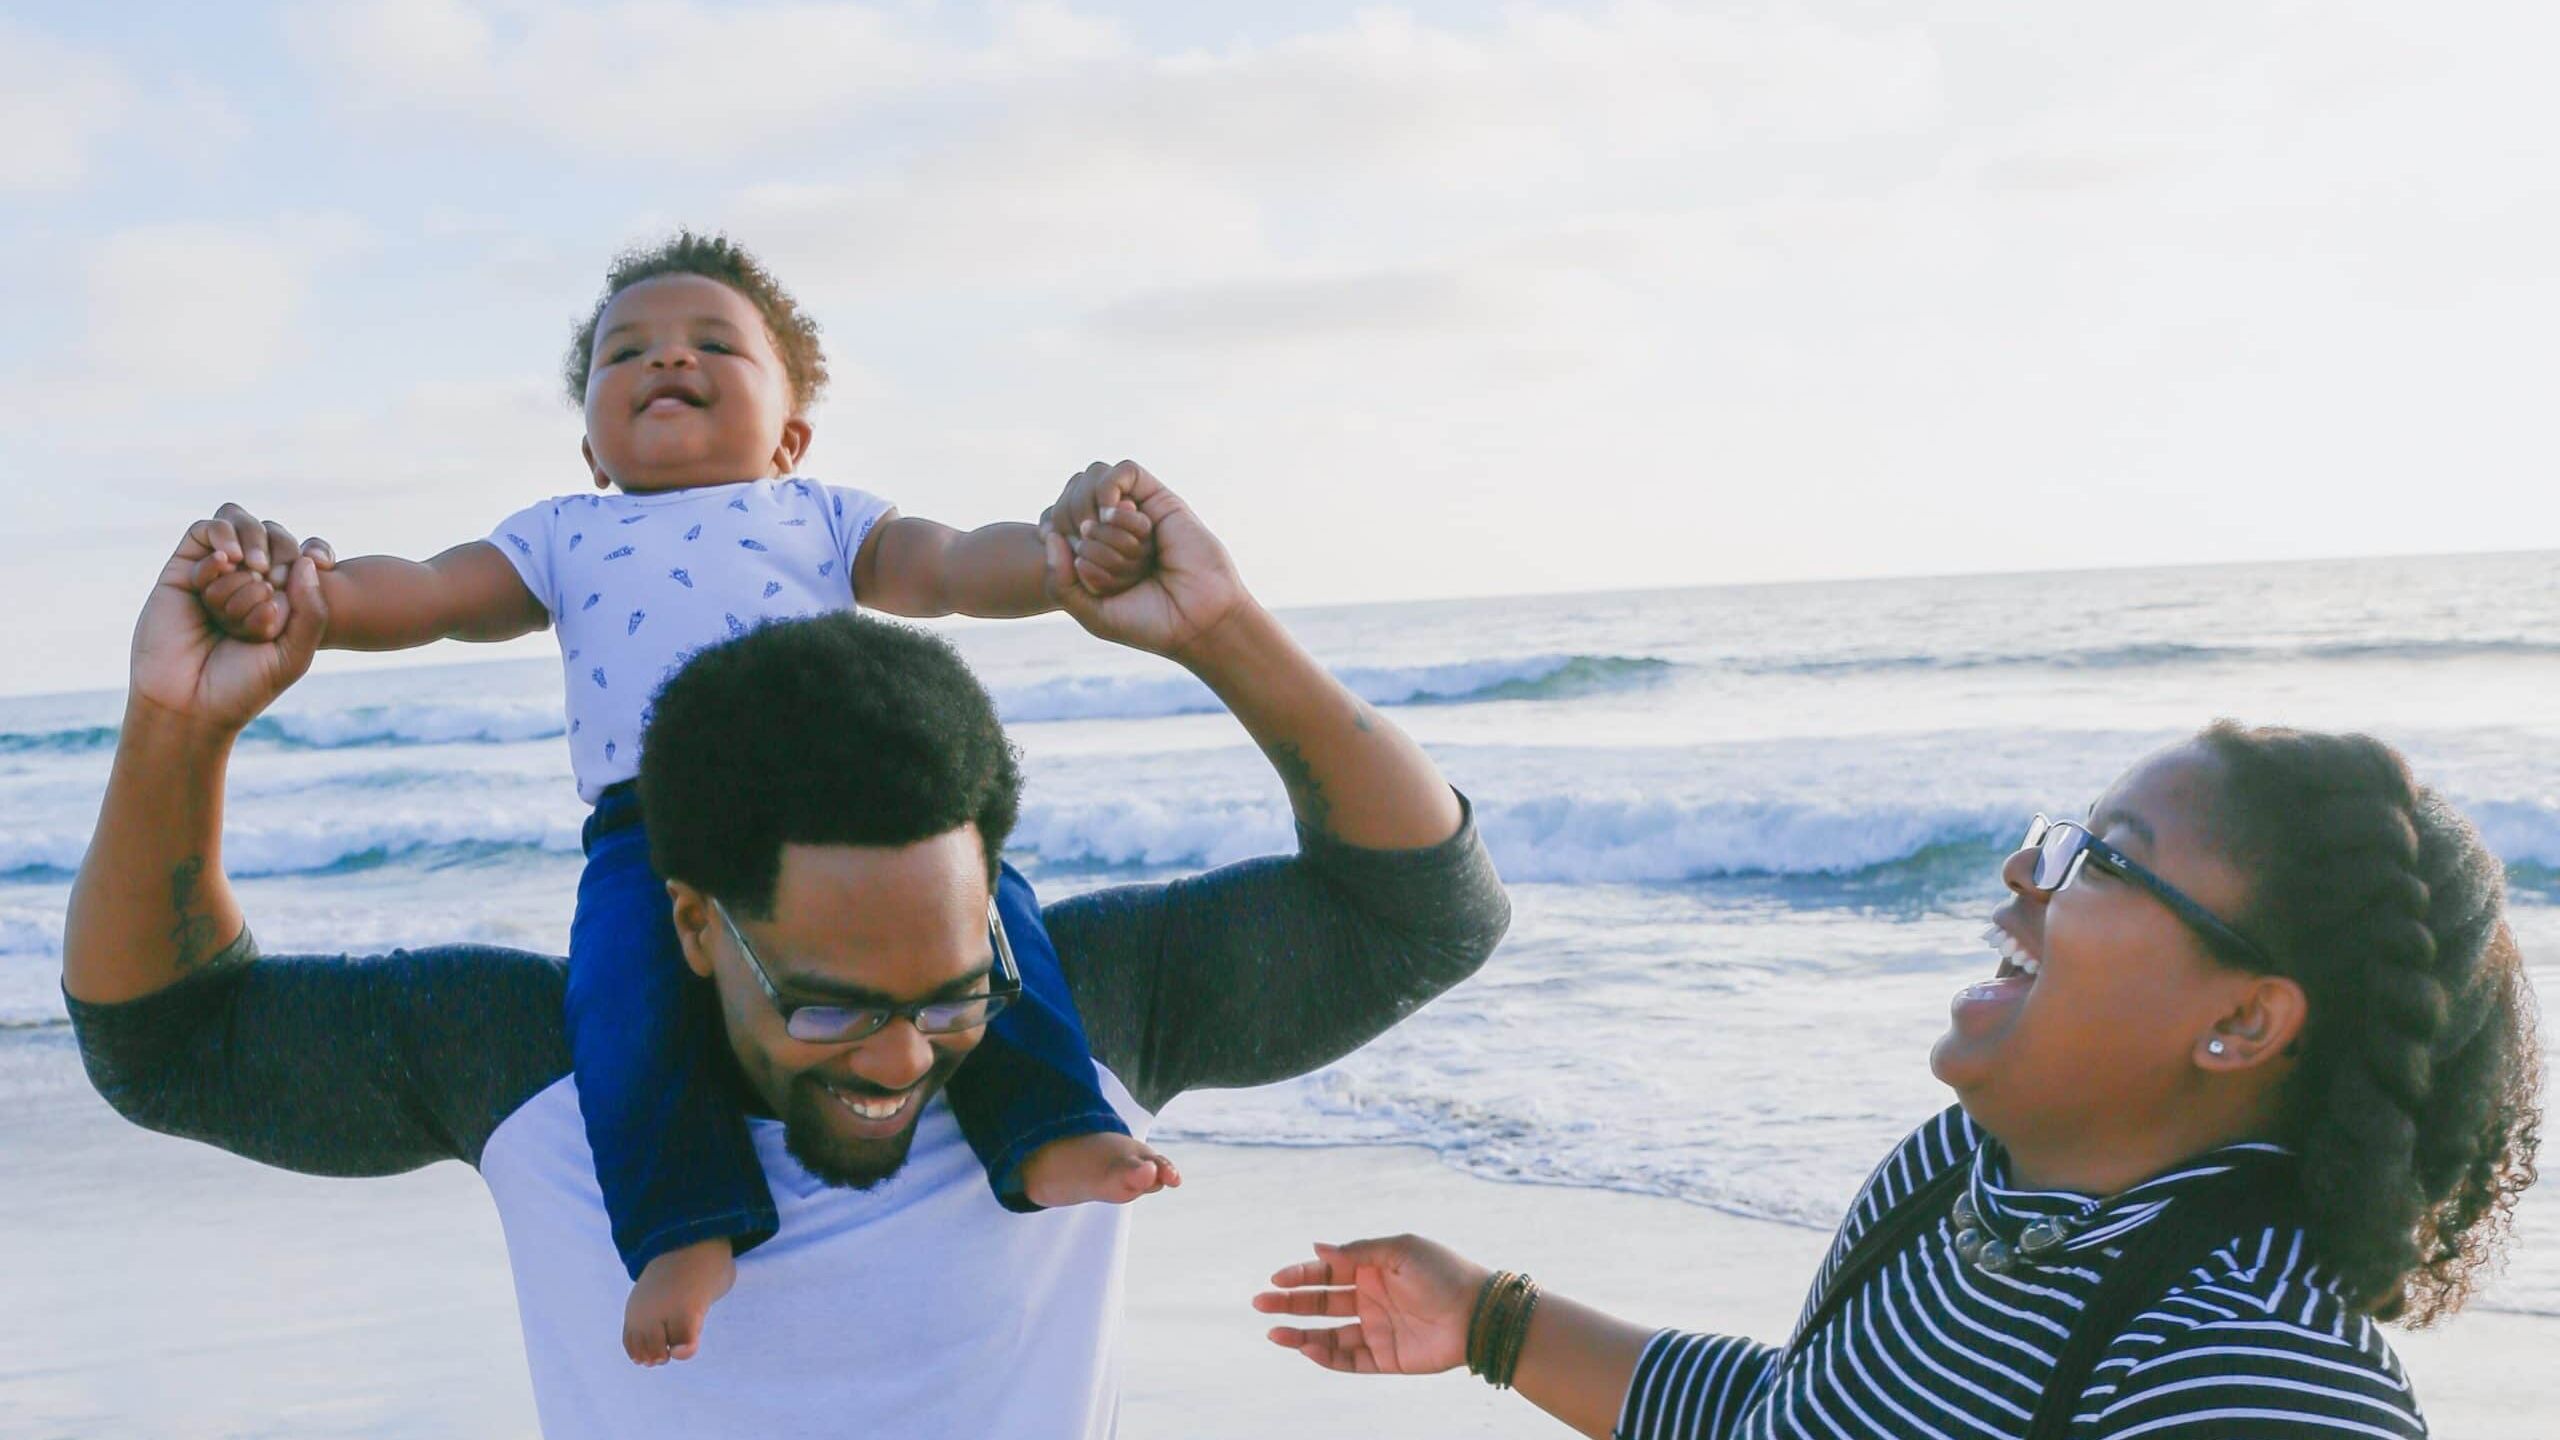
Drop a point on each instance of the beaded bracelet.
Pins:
(1477, 1332)
(1515, 1335)
(1499, 1326)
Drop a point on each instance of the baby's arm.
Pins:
(920, 568)
(376, 602)
(470, 592)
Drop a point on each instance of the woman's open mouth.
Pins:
(1979, 1004)
(2014, 959)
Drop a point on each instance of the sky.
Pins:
(1408, 300)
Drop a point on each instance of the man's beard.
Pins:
(847, 1163)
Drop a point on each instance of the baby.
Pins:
(696, 372)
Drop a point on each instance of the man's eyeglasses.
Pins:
(2063, 846)
(828, 1024)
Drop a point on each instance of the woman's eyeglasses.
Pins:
(2063, 846)
(843, 1024)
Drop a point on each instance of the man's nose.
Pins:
(895, 1058)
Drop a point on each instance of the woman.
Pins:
(2256, 1070)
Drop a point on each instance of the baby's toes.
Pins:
(1132, 1176)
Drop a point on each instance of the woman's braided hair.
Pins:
(2414, 1104)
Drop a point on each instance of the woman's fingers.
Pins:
(1330, 1303)
(1341, 1348)
(1322, 1270)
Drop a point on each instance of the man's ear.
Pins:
(692, 913)
(796, 435)
(587, 453)
(2260, 1026)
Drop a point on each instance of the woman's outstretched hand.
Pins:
(1409, 1300)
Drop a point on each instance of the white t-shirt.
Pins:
(958, 1317)
(636, 583)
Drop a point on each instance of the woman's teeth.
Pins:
(2011, 953)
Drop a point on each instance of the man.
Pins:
(899, 1297)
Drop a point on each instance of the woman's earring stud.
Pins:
(2214, 1047)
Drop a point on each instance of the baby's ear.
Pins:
(587, 453)
(796, 435)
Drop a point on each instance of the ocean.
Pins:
(1751, 832)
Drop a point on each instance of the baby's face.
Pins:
(685, 389)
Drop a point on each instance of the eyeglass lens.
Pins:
(826, 1024)
(2057, 846)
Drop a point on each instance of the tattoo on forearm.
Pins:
(1304, 789)
(192, 935)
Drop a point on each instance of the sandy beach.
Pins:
(158, 1288)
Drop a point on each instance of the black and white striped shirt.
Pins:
(2254, 1343)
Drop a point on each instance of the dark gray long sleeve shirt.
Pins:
(369, 1066)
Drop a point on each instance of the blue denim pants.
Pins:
(664, 1103)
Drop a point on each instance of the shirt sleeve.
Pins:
(851, 514)
(525, 539)
(2209, 1366)
(331, 1065)
(1693, 1387)
(1268, 969)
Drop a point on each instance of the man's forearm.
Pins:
(1350, 773)
(151, 902)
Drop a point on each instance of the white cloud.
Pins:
(1405, 303)
(195, 118)
(641, 80)
(192, 308)
(56, 101)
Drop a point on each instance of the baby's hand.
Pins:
(1113, 542)
(241, 581)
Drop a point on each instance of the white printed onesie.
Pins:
(636, 583)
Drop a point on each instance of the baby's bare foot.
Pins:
(663, 1319)
(1114, 1169)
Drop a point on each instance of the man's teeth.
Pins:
(2008, 949)
(872, 1107)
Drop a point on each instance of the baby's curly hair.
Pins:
(713, 257)
(2415, 1102)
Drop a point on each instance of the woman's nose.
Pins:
(2018, 872)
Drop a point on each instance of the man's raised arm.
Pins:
(318, 1063)
(151, 903)
(1264, 970)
